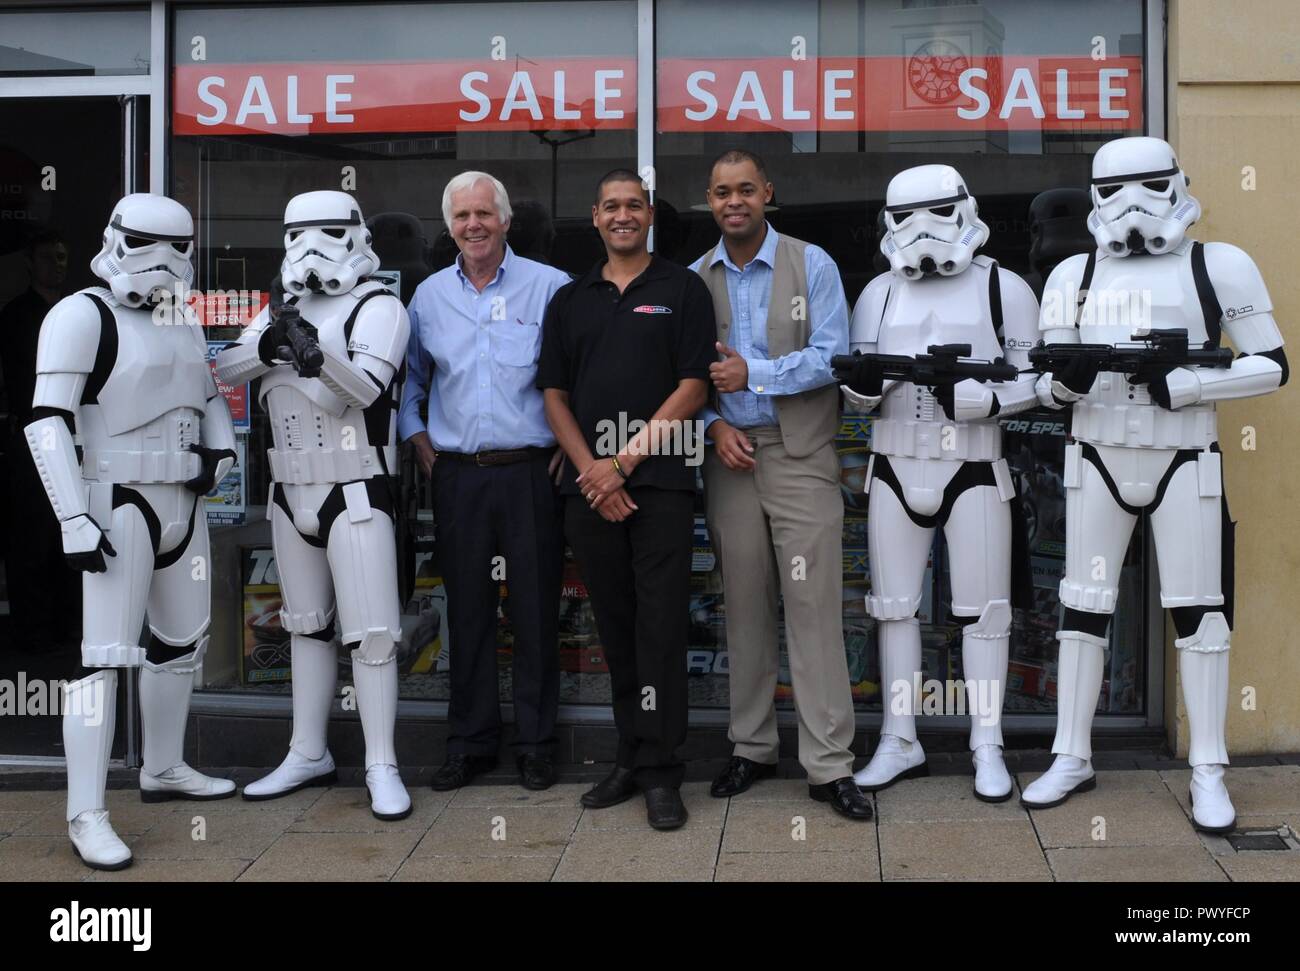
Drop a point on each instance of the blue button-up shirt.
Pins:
(473, 355)
(749, 291)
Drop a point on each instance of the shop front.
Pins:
(233, 108)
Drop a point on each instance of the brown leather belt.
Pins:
(507, 456)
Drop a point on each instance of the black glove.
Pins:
(943, 393)
(1079, 375)
(1156, 378)
(867, 378)
(273, 340)
(202, 483)
(92, 560)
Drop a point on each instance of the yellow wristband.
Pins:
(619, 469)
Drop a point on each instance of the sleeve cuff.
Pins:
(762, 376)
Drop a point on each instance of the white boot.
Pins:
(1212, 810)
(1203, 671)
(376, 686)
(164, 708)
(1068, 775)
(309, 763)
(894, 759)
(992, 781)
(1079, 670)
(89, 715)
(984, 649)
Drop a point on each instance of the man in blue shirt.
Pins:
(476, 334)
(772, 488)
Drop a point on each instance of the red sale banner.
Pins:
(901, 94)
(298, 99)
(923, 93)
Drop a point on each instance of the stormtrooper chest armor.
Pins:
(936, 310)
(147, 413)
(1134, 295)
(318, 437)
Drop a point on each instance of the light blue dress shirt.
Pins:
(473, 355)
(749, 291)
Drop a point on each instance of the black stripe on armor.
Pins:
(970, 475)
(105, 353)
(167, 559)
(126, 496)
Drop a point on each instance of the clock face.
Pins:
(933, 70)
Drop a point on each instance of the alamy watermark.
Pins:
(662, 437)
(37, 697)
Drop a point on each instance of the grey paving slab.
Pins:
(1143, 864)
(472, 869)
(563, 795)
(783, 827)
(21, 801)
(173, 871)
(815, 867)
(218, 836)
(347, 810)
(942, 798)
(24, 858)
(333, 856)
(500, 831)
(973, 850)
(1115, 817)
(686, 854)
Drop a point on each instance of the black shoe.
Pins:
(664, 808)
(616, 787)
(739, 775)
(845, 798)
(536, 771)
(459, 770)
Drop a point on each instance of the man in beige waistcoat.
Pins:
(772, 485)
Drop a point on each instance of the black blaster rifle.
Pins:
(1160, 350)
(300, 343)
(942, 364)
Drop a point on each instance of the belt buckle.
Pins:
(478, 460)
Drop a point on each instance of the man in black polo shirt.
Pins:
(629, 345)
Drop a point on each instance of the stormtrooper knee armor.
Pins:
(1148, 445)
(331, 508)
(156, 436)
(937, 459)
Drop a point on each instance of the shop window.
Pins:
(388, 102)
(839, 95)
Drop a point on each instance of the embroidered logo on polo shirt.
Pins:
(651, 308)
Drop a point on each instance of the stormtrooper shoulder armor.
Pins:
(381, 329)
(67, 349)
(1062, 295)
(1237, 282)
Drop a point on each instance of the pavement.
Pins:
(1134, 826)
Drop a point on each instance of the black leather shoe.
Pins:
(664, 808)
(845, 798)
(459, 770)
(739, 775)
(616, 787)
(536, 771)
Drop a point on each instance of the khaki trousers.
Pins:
(779, 529)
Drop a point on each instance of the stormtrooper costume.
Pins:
(1149, 445)
(125, 369)
(331, 508)
(937, 460)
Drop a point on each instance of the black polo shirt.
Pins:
(623, 355)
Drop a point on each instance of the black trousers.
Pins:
(638, 573)
(512, 512)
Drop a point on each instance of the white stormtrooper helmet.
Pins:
(1140, 202)
(147, 248)
(326, 244)
(932, 222)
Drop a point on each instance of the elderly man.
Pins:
(476, 333)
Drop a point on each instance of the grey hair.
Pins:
(467, 180)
